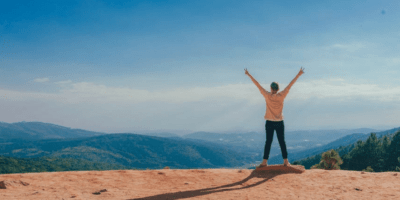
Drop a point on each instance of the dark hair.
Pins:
(275, 86)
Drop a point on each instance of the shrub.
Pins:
(330, 160)
(368, 169)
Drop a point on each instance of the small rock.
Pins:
(362, 172)
(166, 167)
(395, 174)
(161, 173)
(4, 184)
(73, 196)
(100, 191)
(240, 171)
(186, 183)
(358, 189)
(24, 183)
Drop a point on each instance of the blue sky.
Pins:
(117, 66)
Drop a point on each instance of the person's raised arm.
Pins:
(262, 90)
(294, 80)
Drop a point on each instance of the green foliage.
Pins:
(296, 163)
(394, 151)
(368, 169)
(374, 154)
(23, 165)
(313, 160)
(397, 167)
(330, 160)
(131, 150)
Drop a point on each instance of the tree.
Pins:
(371, 151)
(382, 162)
(330, 160)
(368, 169)
(356, 158)
(394, 152)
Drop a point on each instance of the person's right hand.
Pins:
(301, 71)
(246, 72)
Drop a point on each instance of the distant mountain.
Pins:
(162, 134)
(344, 141)
(200, 149)
(254, 142)
(320, 136)
(130, 150)
(39, 130)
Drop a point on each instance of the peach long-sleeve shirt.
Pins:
(274, 102)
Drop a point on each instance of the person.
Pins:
(274, 116)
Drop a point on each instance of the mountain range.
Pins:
(39, 130)
(196, 150)
(130, 150)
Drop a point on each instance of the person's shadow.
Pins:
(266, 175)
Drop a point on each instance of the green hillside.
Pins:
(345, 141)
(380, 154)
(130, 150)
(23, 165)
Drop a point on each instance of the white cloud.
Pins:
(41, 80)
(320, 89)
(219, 108)
(352, 47)
(339, 88)
(63, 82)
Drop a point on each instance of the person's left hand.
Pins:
(246, 72)
(301, 71)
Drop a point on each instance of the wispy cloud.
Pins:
(320, 89)
(63, 82)
(339, 88)
(351, 47)
(233, 106)
(41, 80)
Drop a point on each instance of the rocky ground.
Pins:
(201, 184)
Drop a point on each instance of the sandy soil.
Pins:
(202, 184)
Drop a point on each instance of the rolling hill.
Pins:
(39, 130)
(130, 150)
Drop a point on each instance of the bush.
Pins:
(296, 163)
(368, 169)
(330, 160)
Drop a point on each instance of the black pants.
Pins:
(270, 126)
